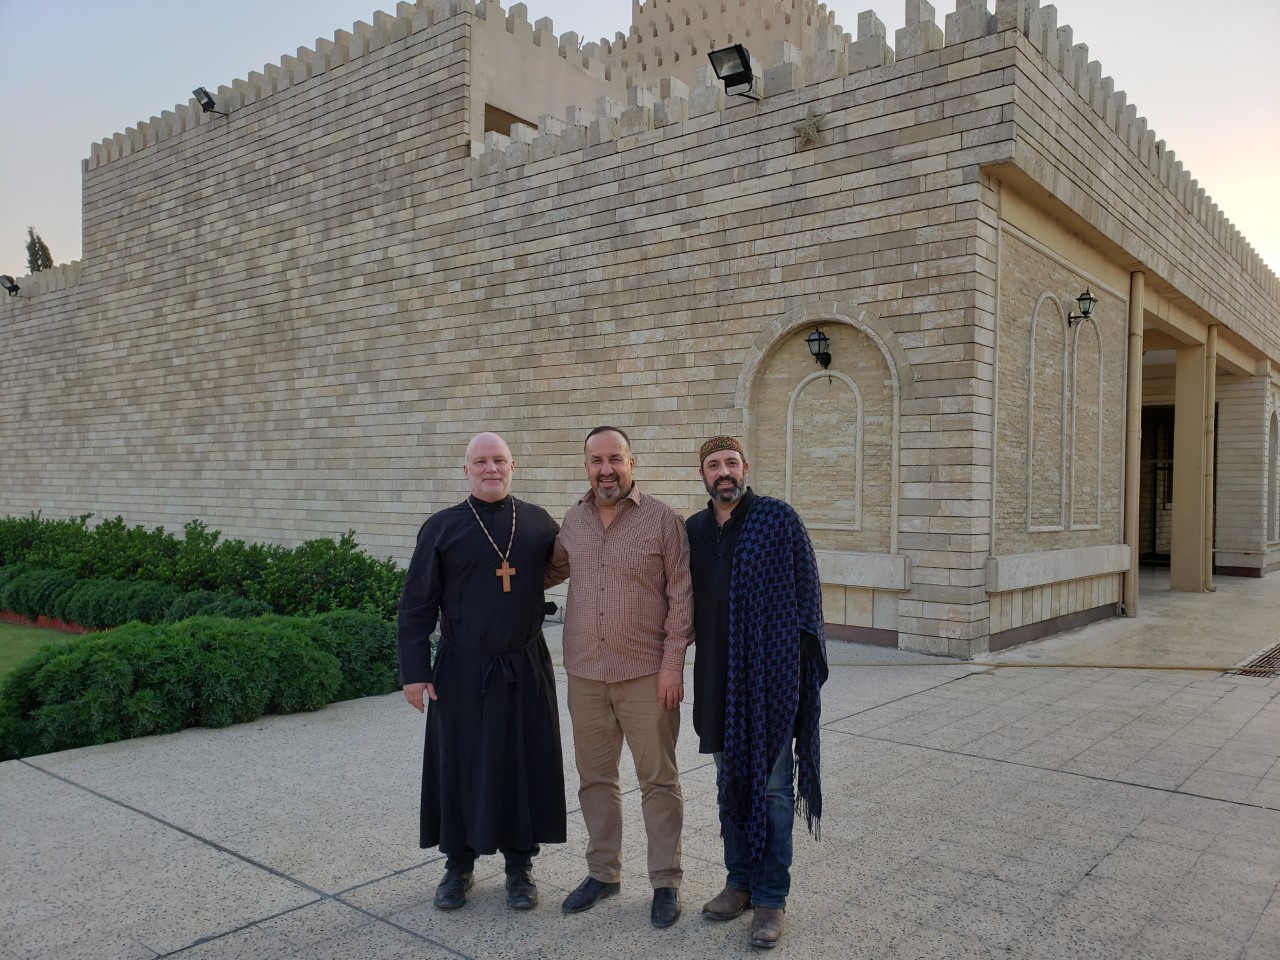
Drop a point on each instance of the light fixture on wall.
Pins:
(206, 101)
(1087, 301)
(818, 342)
(6, 281)
(733, 68)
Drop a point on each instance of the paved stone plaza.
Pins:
(1035, 809)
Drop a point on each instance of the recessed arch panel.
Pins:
(827, 440)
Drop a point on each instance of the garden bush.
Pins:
(17, 535)
(210, 603)
(365, 646)
(33, 593)
(100, 602)
(7, 573)
(315, 577)
(150, 602)
(140, 680)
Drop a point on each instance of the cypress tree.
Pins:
(38, 255)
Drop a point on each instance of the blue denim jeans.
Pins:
(770, 880)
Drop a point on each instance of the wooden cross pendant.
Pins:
(506, 572)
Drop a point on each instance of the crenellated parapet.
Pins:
(665, 36)
(307, 63)
(1039, 24)
(815, 50)
(64, 276)
(655, 75)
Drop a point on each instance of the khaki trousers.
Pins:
(603, 715)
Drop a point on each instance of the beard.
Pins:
(726, 494)
(616, 493)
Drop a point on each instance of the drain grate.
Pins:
(1265, 664)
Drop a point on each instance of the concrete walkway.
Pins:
(1066, 799)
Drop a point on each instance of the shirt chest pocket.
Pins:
(639, 560)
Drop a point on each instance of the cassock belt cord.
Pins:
(504, 662)
(498, 661)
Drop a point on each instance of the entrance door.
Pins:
(1156, 490)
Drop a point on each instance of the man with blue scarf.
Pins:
(759, 663)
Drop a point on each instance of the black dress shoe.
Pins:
(590, 892)
(452, 892)
(522, 893)
(666, 907)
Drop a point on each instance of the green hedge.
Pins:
(99, 603)
(315, 577)
(141, 679)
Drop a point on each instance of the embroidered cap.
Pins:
(716, 444)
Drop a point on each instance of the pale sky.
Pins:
(74, 72)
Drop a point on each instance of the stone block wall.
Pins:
(1241, 474)
(1129, 186)
(288, 322)
(1060, 414)
(232, 350)
(1013, 609)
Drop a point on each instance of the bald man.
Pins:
(492, 773)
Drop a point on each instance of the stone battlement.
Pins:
(665, 34)
(345, 47)
(651, 106)
(64, 276)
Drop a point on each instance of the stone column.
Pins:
(1210, 426)
(1186, 568)
(1133, 439)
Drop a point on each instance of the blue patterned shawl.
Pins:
(773, 692)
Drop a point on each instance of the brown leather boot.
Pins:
(727, 904)
(767, 927)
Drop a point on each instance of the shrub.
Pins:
(101, 602)
(140, 680)
(209, 603)
(17, 534)
(33, 593)
(149, 602)
(96, 604)
(365, 646)
(9, 572)
(317, 576)
(58, 544)
(20, 699)
(236, 564)
(324, 574)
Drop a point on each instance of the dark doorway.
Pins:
(1155, 495)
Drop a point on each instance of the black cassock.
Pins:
(492, 772)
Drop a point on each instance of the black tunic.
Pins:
(711, 548)
(492, 772)
(711, 562)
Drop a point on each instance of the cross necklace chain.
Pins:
(506, 571)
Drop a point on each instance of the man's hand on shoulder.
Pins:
(413, 693)
(670, 688)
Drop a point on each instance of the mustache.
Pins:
(726, 489)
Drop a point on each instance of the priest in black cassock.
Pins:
(492, 773)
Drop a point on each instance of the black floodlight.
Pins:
(818, 342)
(1087, 301)
(733, 67)
(206, 101)
(6, 281)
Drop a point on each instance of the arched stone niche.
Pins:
(827, 440)
(1065, 377)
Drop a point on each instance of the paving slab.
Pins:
(1071, 798)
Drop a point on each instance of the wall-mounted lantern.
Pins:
(10, 287)
(818, 344)
(1087, 301)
